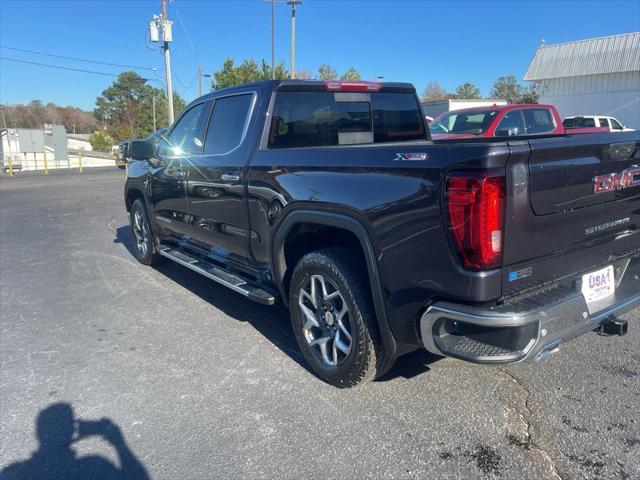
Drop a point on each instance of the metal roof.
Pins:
(618, 53)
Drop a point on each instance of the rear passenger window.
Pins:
(227, 123)
(315, 119)
(538, 120)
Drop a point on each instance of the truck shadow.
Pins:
(270, 321)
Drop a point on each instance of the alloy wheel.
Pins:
(326, 322)
(141, 233)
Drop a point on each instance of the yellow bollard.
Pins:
(80, 161)
(46, 166)
(10, 166)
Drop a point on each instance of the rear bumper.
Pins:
(526, 328)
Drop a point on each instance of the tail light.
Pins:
(475, 205)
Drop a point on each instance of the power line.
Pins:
(66, 68)
(186, 33)
(78, 59)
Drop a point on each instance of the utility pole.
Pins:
(160, 30)
(166, 28)
(153, 102)
(200, 75)
(273, 39)
(293, 4)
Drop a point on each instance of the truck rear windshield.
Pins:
(474, 123)
(317, 119)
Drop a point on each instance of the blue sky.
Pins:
(414, 41)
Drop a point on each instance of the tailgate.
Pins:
(574, 205)
(562, 172)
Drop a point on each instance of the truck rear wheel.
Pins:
(333, 317)
(143, 246)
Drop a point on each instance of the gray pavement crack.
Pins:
(110, 224)
(519, 412)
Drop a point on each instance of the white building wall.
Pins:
(77, 144)
(614, 94)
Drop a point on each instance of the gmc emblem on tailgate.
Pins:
(610, 182)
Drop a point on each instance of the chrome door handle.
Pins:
(228, 177)
(176, 172)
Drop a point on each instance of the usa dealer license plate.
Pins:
(599, 284)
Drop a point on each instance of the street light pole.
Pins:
(293, 4)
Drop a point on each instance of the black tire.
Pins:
(340, 268)
(142, 235)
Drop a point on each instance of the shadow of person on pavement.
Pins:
(57, 430)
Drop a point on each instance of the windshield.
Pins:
(474, 122)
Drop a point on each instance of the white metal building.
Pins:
(598, 76)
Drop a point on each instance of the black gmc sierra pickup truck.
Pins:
(332, 197)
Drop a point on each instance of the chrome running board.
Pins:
(218, 275)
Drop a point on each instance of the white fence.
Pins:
(24, 162)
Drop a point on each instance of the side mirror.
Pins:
(507, 132)
(141, 150)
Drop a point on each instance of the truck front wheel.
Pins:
(142, 236)
(333, 317)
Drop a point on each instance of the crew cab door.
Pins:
(216, 184)
(168, 172)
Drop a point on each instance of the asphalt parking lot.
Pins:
(196, 382)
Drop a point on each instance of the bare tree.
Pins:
(434, 91)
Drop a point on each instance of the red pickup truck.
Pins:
(502, 121)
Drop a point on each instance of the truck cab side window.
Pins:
(538, 120)
(513, 121)
(183, 139)
(615, 124)
(227, 124)
(603, 122)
